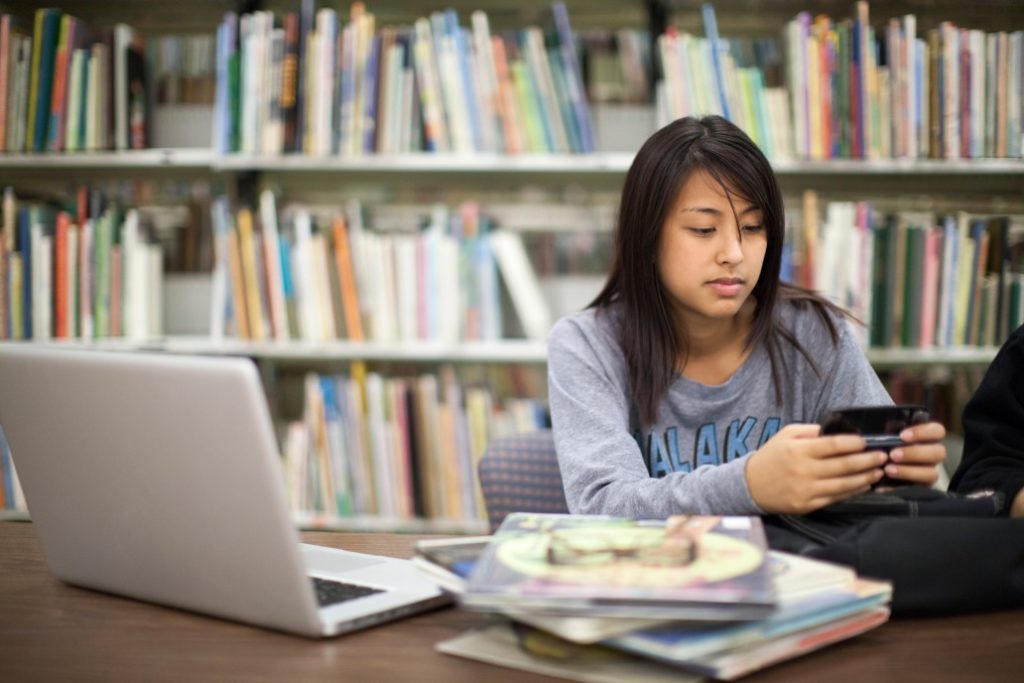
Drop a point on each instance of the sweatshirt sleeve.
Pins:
(847, 377)
(993, 423)
(601, 464)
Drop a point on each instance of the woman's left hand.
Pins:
(918, 462)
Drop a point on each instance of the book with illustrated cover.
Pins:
(684, 643)
(449, 562)
(686, 567)
(733, 664)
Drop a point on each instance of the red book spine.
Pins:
(60, 276)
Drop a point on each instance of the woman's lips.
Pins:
(726, 286)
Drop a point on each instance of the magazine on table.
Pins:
(448, 561)
(686, 567)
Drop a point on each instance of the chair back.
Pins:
(520, 474)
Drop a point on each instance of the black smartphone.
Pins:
(879, 425)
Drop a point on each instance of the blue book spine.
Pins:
(306, 12)
(284, 253)
(460, 38)
(977, 232)
(711, 31)
(25, 239)
(371, 80)
(574, 76)
(559, 81)
(6, 471)
(951, 237)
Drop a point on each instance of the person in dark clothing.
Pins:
(993, 423)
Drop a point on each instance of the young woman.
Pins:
(693, 382)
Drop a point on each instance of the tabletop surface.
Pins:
(50, 631)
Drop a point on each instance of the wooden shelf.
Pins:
(963, 355)
(611, 163)
(505, 351)
(599, 163)
(365, 523)
(199, 158)
(371, 523)
(509, 351)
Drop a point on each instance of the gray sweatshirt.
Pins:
(692, 460)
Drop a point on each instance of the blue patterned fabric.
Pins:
(520, 474)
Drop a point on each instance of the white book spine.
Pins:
(275, 282)
(154, 290)
(71, 303)
(305, 293)
(522, 283)
(42, 266)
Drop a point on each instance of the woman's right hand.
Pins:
(798, 471)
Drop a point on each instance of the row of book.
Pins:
(701, 76)
(858, 91)
(917, 279)
(62, 88)
(400, 447)
(85, 273)
(589, 597)
(319, 277)
(313, 84)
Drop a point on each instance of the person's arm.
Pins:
(602, 467)
(993, 423)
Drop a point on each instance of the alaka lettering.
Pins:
(662, 449)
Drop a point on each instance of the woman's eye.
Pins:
(702, 232)
(753, 228)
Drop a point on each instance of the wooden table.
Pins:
(53, 632)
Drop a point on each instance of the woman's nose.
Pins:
(730, 249)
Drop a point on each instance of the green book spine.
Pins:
(881, 311)
(528, 106)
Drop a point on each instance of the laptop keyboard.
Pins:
(332, 592)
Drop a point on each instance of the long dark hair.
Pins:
(647, 333)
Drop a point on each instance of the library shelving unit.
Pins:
(605, 169)
(504, 351)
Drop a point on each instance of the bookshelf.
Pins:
(505, 351)
(607, 163)
(145, 159)
(312, 179)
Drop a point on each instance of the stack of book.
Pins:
(584, 596)
(89, 272)
(902, 91)
(919, 279)
(316, 278)
(400, 446)
(315, 84)
(703, 76)
(67, 88)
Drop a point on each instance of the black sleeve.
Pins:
(994, 427)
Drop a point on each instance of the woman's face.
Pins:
(707, 261)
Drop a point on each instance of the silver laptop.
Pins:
(157, 477)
